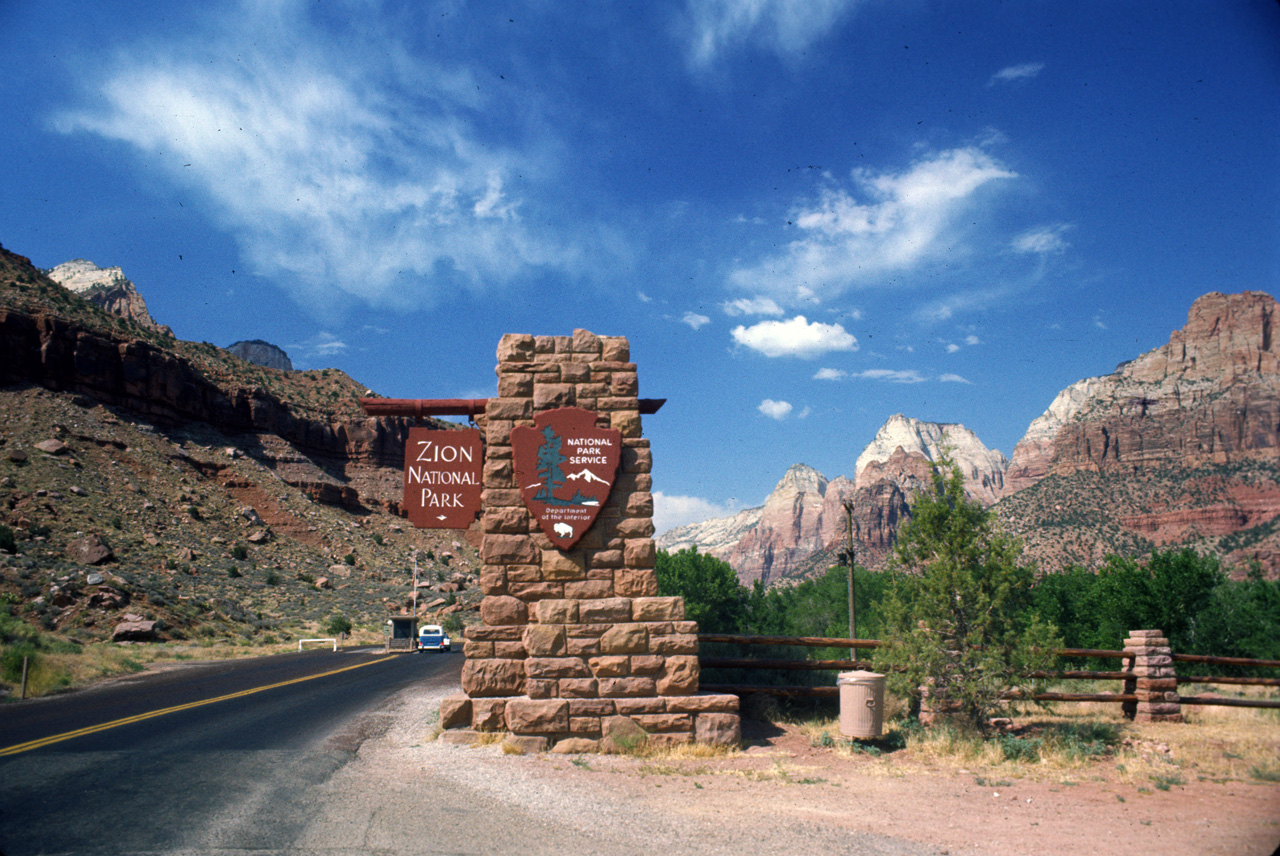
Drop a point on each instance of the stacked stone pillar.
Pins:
(576, 651)
(1155, 682)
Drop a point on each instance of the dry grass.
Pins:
(1078, 741)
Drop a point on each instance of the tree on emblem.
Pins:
(549, 465)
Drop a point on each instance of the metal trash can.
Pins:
(861, 704)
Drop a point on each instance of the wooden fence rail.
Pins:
(1127, 676)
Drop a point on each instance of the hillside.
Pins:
(170, 481)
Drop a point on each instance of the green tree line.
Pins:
(1187, 595)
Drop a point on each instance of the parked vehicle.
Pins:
(431, 637)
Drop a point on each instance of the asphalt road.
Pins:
(228, 766)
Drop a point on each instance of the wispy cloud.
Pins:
(953, 378)
(795, 338)
(907, 218)
(830, 374)
(751, 306)
(1016, 72)
(785, 27)
(334, 175)
(671, 510)
(694, 320)
(322, 346)
(1043, 240)
(775, 409)
(891, 375)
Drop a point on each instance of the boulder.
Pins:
(89, 550)
(134, 631)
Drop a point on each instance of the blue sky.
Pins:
(806, 216)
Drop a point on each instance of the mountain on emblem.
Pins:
(566, 466)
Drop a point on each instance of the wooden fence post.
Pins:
(1155, 681)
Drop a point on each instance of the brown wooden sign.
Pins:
(442, 481)
(565, 466)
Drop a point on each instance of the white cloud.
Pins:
(795, 338)
(830, 374)
(751, 306)
(907, 219)
(891, 375)
(694, 320)
(1043, 241)
(775, 409)
(952, 347)
(972, 340)
(1016, 72)
(643, 298)
(671, 511)
(953, 378)
(322, 346)
(785, 27)
(333, 175)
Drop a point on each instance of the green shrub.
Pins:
(338, 625)
(240, 552)
(272, 578)
(8, 543)
(958, 618)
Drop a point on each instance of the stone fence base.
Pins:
(610, 725)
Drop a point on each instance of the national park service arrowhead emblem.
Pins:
(566, 466)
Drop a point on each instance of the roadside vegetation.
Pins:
(959, 609)
(55, 663)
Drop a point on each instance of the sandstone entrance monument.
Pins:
(576, 651)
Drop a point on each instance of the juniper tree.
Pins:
(958, 616)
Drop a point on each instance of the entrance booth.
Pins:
(402, 633)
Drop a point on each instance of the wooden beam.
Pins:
(418, 408)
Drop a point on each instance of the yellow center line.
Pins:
(93, 729)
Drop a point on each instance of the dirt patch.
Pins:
(784, 780)
(1210, 785)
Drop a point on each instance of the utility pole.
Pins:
(415, 584)
(849, 562)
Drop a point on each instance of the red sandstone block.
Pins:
(703, 703)
(542, 688)
(508, 408)
(556, 667)
(586, 631)
(582, 647)
(589, 589)
(584, 724)
(659, 723)
(510, 550)
(591, 707)
(604, 610)
(536, 591)
(489, 633)
(627, 687)
(578, 688)
(513, 386)
(510, 650)
(632, 706)
(524, 573)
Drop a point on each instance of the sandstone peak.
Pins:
(983, 468)
(107, 288)
(1212, 393)
(263, 354)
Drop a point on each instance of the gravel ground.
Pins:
(404, 792)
